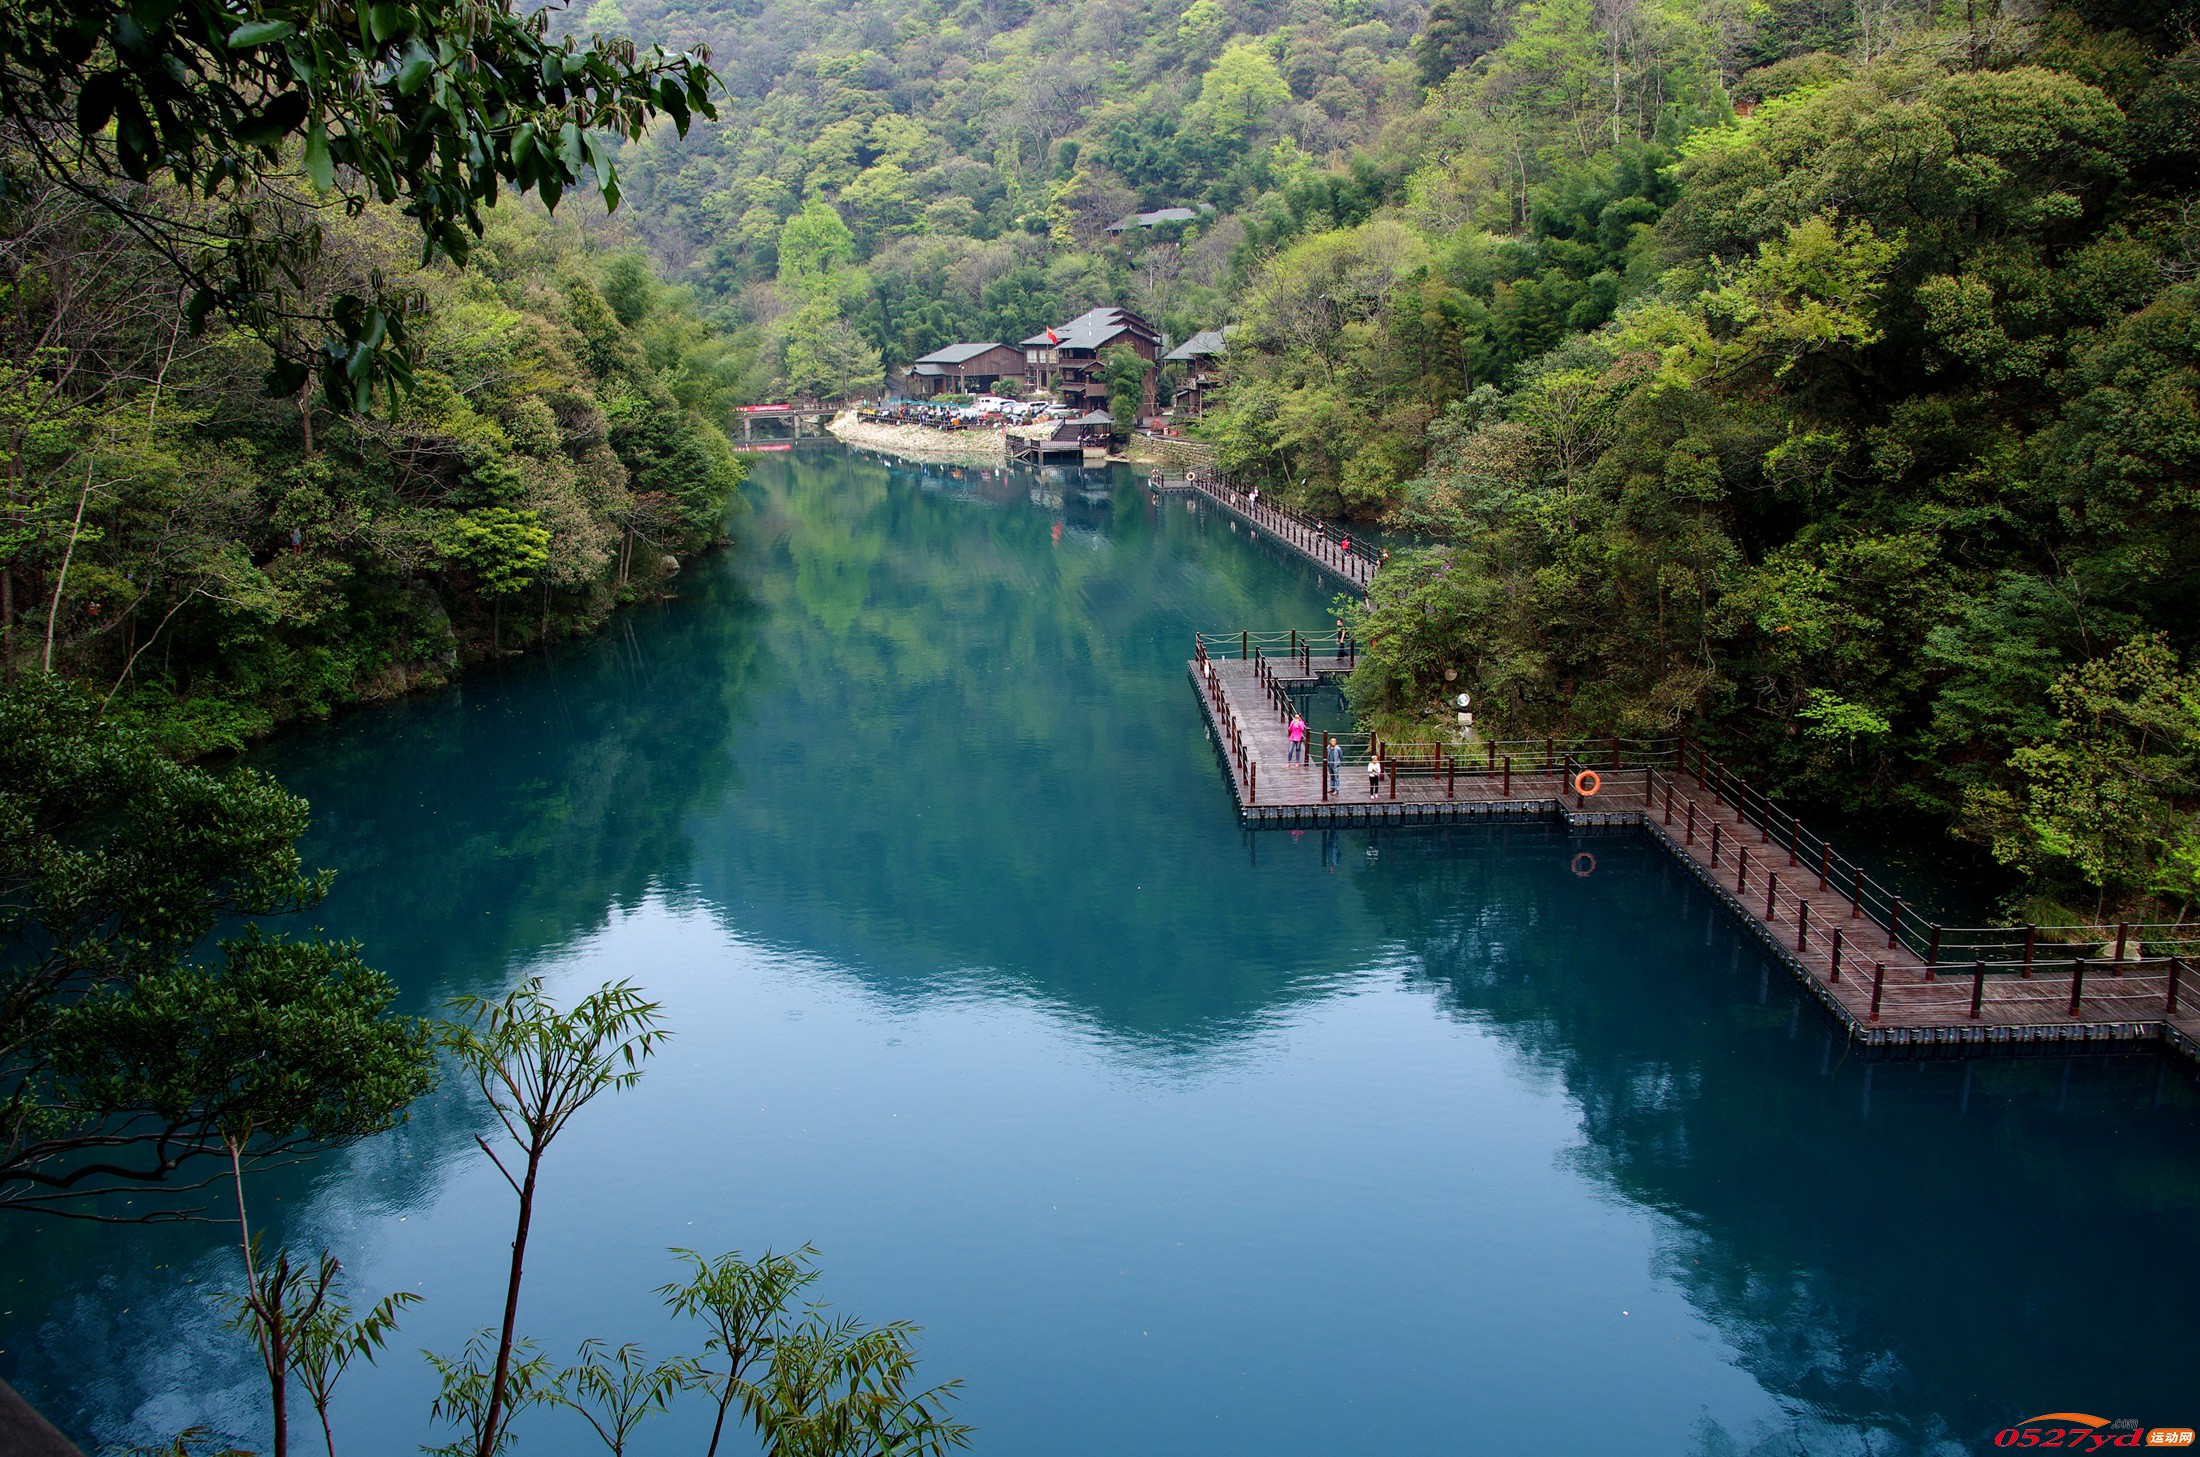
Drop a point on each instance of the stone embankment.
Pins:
(921, 442)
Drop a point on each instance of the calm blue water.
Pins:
(1174, 1139)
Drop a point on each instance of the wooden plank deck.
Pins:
(1299, 535)
(1880, 988)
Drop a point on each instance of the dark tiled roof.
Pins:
(956, 353)
(1206, 341)
(1152, 219)
(1093, 330)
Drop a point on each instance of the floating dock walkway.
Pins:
(1890, 977)
(1306, 537)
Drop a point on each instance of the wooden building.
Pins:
(1066, 358)
(965, 369)
(1201, 356)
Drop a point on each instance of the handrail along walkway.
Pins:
(1887, 970)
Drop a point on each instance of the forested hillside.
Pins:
(953, 167)
(1855, 432)
(210, 560)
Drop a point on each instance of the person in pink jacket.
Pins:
(1297, 732)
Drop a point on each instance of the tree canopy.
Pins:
(261, 116)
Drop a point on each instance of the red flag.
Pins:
(1053, 338)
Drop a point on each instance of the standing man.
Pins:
(1335, 767)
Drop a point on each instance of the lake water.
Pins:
(1174, 1139)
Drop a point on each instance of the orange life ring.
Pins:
(1587, 783)
(1585, 870)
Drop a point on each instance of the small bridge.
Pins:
(1890, 976)
(1309, 538)
(793, 414)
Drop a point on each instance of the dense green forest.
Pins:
(211, 560)
(964, 160)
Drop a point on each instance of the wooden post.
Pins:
(1825, 863)
(1856, 895)
(2077, 983)
(1978, 988)
(1546, 752)
(1879, 981)
(2123, 931)
(2175, 966)
(1894, 920)
(1393, 779)
(1772, 891)
(1741, 874)
(1835, 975)
(1451, 777)
(2031, 934)
(1669, 801)
(1252, 784)
(1508, 776)
(1244, 641)
(1491, 746)
(1802, 924)
(1932, 957)
(1691, 824)
(1715, 828)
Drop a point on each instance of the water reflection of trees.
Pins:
(1874, 1236)
(980, 757)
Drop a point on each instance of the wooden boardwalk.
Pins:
(1306, 537)
(1890, 978)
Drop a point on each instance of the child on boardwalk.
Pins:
(1374, 774)
(1297, 732)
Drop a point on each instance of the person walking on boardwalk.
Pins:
(1335, 768)
(1297, 733)
(1374, 773)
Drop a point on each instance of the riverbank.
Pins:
(921, 442)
